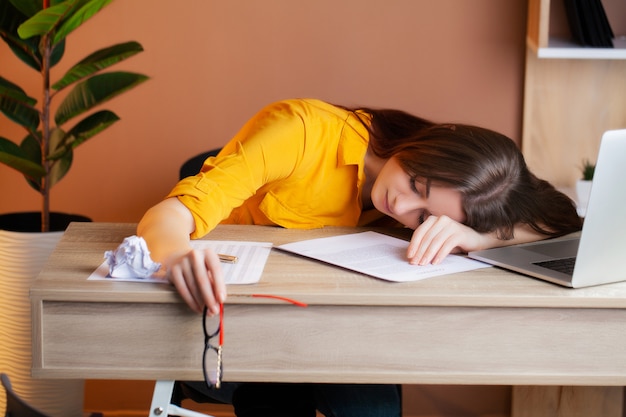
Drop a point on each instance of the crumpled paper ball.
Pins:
(131, 259)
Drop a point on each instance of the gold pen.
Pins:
(231, 259)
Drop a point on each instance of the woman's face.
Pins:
(410, 202)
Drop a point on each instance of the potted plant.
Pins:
(583, 185)
(35, 31)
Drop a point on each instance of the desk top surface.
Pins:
(81, 250)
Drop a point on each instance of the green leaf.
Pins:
(10, 17)
(85, 129)
(57, 53)
(31, 147)
(61, 166)
(30, 7)
(62, 18)
(17, 106)
(14, 157)
(25, 50)
(92, 125)
(95, 91)
(80, 16)
(45, 21)
(17, 90)
(27, 7)
(98, 61)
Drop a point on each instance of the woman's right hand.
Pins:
(198, 278)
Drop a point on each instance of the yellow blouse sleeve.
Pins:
(268, 148)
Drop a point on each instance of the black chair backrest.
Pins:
(15, 406)
(192, 166)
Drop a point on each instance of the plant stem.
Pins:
(45, 132)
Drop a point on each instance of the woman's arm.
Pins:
(438, 236)
(196, 274)
(269, 149)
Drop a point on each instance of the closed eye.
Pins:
(413, 185)
(419, 187)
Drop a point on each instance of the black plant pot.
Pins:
(30, 221)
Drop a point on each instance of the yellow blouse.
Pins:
(296, 164)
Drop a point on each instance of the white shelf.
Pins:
(562, 49)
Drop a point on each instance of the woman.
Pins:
(307, 163)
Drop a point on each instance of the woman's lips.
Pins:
(387, 209)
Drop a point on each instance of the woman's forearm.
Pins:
(521, 234)
(166, 227)
(196, 274)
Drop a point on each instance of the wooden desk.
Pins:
(481, 327)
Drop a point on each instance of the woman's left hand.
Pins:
(439, 236)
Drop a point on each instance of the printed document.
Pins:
(377, 255)
(251, 259)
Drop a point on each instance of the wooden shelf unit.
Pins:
(549, 35)
(572, 94)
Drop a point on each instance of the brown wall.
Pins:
(214, 63)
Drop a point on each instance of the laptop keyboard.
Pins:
(564, 265)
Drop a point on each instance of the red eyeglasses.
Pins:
(213, 354)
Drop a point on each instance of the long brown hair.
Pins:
(488, 169)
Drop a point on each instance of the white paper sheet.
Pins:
(251, 259)
(378, 255)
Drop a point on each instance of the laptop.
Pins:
(597, 254)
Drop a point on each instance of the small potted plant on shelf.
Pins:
(36, 31)
(583, 185)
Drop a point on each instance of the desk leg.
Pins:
(161, 402)
(567, 401)
(161, 398)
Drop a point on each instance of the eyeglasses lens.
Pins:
(212, 358)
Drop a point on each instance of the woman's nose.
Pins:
(404, 204)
